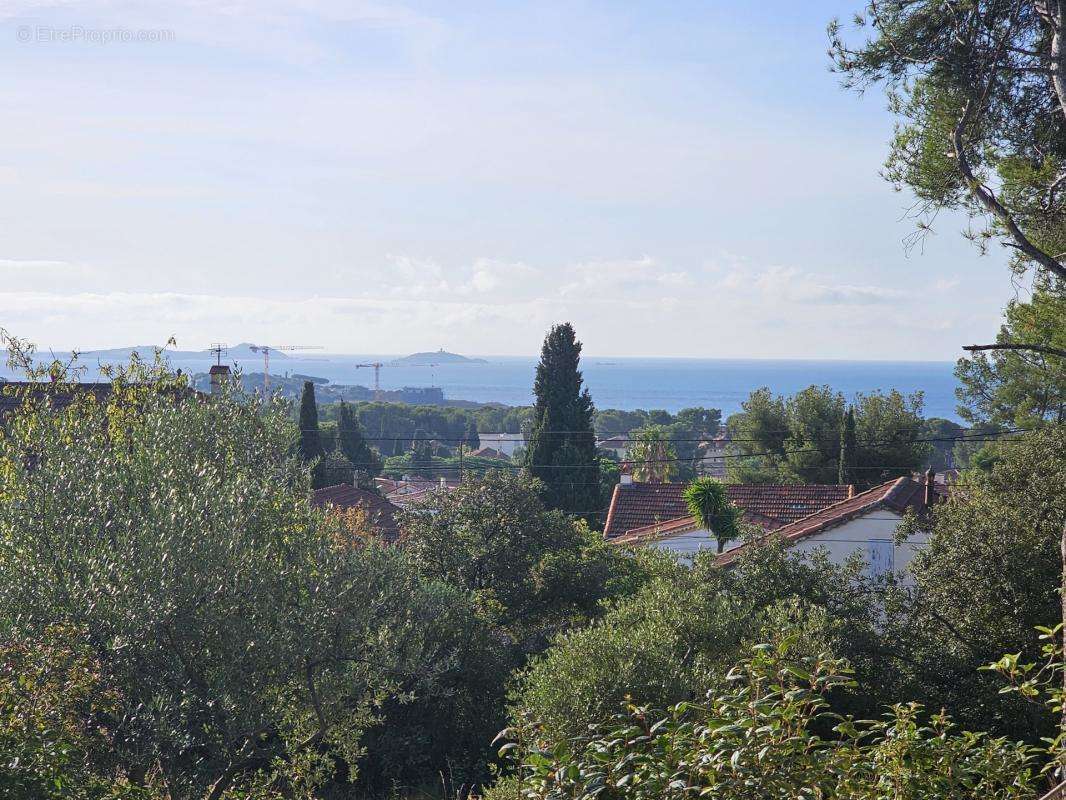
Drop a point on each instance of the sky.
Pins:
(675, 179)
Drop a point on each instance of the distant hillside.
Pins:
(242, 350)
(439, 357)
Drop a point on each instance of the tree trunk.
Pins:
(1057, 18)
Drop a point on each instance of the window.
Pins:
(880, 556)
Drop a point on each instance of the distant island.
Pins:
(439, 357)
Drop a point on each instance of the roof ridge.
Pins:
(850, 499)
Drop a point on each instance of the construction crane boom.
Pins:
(377, 365)
(266, 350)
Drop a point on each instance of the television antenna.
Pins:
(218, 348)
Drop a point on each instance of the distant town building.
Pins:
(410, 490)
(421, 395)
(617, 445)
(711, 456)
(506, 443)
(488, 452)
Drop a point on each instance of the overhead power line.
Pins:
(503, 465)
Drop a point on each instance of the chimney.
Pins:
(443, 482)
(930, 487)
(219, 377)
(625, 476)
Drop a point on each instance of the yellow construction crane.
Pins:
(266, 350)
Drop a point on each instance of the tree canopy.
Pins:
(797, 439)
(562, 446)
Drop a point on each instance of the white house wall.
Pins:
(858, 534)
(689, 543)
(879, 526)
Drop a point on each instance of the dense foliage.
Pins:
(766, 729)
(663, 644)
(797, 439)
(1019, 388)
(239, 641)
(530, 570)
(987, 578)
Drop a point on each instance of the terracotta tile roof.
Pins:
(899, 495)
(771, 505)
(410, 492)
(343, 496)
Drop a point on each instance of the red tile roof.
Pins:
(381, 512)
(771, 505)
(899, 495)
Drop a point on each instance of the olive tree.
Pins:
(250, 641)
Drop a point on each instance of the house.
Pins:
(636, 506)
(617, 445)
(488, 452)
(866, 523)
(380, 512)
(506, 443)
(712, 455)
(413, 489)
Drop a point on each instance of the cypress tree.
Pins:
(310, 438)
(422, 454)
(352, 443)
(846, 467)
(562, 445)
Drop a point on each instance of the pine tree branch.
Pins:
(1034, 348)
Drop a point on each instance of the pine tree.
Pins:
(352, 443)
(562, 445)
(846, 467)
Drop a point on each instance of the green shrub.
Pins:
(766, 730)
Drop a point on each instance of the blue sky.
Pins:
(677, 179)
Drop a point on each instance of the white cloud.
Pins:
(14, 264)
(614, 279)
(793, 285)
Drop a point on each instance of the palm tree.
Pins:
(709, 504)
(653, 457)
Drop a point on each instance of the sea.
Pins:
(623, 383)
